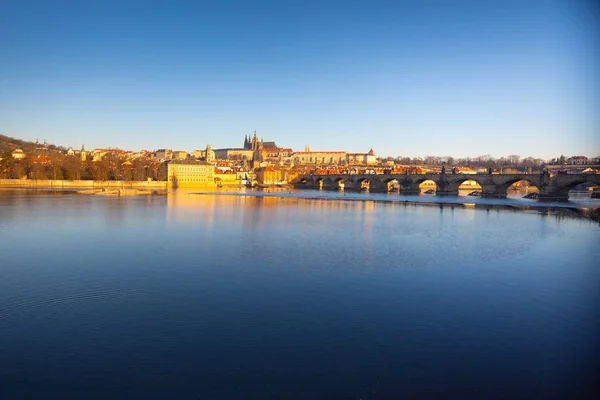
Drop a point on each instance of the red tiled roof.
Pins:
(41, 159)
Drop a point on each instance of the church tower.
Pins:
(210, 154)
(255, 142)
(83, 153)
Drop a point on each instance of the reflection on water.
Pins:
(576, 200)
(581, 204)
(232, 296)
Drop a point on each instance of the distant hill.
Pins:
(8, 143)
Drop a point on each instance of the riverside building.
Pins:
(190, 173)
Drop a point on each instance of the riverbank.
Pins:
(121, 192)
(76, 184)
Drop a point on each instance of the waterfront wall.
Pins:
(35, 183)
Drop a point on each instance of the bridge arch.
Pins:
(420, 180)
(390, 184)
(332, 182)
(511, 182)
(503, 189)
(364, 184)
(423, 185)
(566, 188)
(458, 180)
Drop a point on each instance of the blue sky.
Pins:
(411, 78)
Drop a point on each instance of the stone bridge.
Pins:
(554, 188)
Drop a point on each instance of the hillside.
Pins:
(8, 143)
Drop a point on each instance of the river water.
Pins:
(225, 296)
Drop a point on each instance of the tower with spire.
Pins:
(255, 142)
(210, 154)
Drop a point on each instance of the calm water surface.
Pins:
(210, 297)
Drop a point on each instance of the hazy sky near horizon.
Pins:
(411, 78)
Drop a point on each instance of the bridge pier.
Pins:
(493, 195)
(309, 184)
(553, 196)
(330, 186)
(493, 192)
(410, 192)
(446, 192)
(378, 189)
(351, 186)
(554, 191)
(409, 188)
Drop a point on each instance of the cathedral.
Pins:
(252, 143)
(257, 152)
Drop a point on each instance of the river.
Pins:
(305, 295)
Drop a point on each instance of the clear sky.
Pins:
(411, 78)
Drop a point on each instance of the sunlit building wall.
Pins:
(185, 174)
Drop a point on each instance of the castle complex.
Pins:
(267, 162)
(258, 151)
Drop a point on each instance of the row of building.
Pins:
(257, 151)
(256, 162)
(198, 173)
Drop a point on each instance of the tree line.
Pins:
(485, 161)
(64, 167)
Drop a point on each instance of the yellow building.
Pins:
(208, 154)
(226, 178)
(18, 154)
(179, 155)
(163, 154)
(333, 158)
(268, 175)
(233, 154)
(319, 157)
(275, 175)
(361, 158)
(190, 173)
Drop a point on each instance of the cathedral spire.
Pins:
(254, 145)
